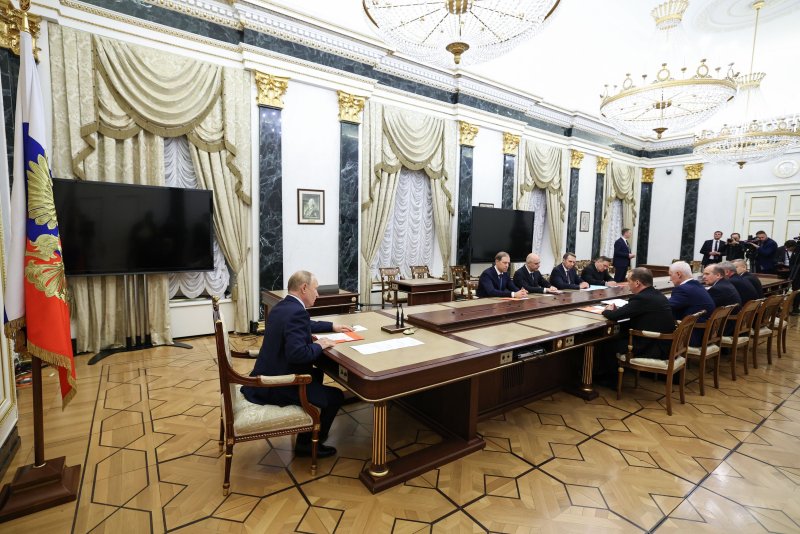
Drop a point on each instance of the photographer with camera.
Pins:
(764, 250)
(734, 250)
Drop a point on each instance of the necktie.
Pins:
(716, 246)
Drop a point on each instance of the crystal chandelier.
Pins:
(667, 103)
(751, 140)
(461, 31)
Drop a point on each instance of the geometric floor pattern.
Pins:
(144, 428)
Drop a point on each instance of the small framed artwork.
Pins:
(485, 205)
(310, 206)
(584, 221)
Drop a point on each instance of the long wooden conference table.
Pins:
(471, 360)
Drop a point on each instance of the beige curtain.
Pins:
(621, 183)
(393, 139)
(545, 167)
(113, 105)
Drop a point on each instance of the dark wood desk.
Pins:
(343, 302)
(426, 290)
(657, 270)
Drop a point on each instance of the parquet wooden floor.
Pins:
(144, 428)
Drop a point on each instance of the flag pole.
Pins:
(43, 484)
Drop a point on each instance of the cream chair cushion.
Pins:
(727, 341)
(777, 324)
(249, 418)
(763, 332)
(655, 363)
(710, 349)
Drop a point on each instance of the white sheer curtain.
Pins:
(179, 172)
(409, 235)
(614, 229)
(621, 184)
(537, 203)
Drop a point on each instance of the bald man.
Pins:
(530, 279)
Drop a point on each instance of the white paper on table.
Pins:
(334, 337)
(616, 302)
(592, 288)
(358, 328)
(389, 344)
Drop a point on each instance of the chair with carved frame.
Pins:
(743, 323)
(420, 271)
(763, 326)
(462, 286)
(242, 420)
(781, 322)
(389, 292)
(709, 348)
(696, 265)
(668, 367)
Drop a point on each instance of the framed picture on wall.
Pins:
(485, 205)
(584, 227)
(310, 206)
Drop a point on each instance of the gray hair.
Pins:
(299, 278)
(728, 266)
(681, 267)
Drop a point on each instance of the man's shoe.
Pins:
(323, 451)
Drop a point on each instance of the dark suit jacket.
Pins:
(724, 294)
(647, 310)
(688, 298)
(794, 273)
(746, 290)
(532, 282)
(565, 280)
(782, 268)
(753, 279)
(707, 247)
(287, 349)
(734, 251)
(491, 285)
(594, 277)
(765, 256)
(621, 261)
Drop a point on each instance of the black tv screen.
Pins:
(496, 229)
(108, 228)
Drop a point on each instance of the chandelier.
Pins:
(667, 103)
(751, 140)
(461, 31)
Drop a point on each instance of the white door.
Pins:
(774, 209)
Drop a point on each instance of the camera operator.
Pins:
(734, 249)
(783, 258)
(765, 249)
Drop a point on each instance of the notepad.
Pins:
(593, 309)
(592, 288)
(389, 344)
(616, 302)
(341, 337)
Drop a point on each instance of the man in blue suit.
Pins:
(289, 348)
(688, 297)
(766, 249)
(565, 276)
(496, 282)
(622, 255)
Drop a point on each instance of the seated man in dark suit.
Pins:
(647, 309)
(596, 274)
(745, 289)
(689, 297)
(565, 276)
(713, 249)
(496, 282)
(288, 348)
(530, 279)
(722, 291)
(741, 269)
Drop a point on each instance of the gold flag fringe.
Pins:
(59, 360)
(12, 327)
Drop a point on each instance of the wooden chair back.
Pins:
(767, 312)
(714, 327)
(745, 317)
(388, 288)
(696, 266)
(461, 285)
(420, 271)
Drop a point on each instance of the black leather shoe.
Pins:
(323, 451)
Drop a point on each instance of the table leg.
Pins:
(379, 467)
(586, 391)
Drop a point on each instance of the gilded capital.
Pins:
(510, 144)
(271, 90)
(350, 107)
(467, 133)
(693, 172)
(576, 157)
(648, 175)
(602, 164)
(11, 20)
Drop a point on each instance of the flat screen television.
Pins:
(108, 228)
(495, 229)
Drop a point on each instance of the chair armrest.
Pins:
(650, 334)
(247, 354)
(263, 381)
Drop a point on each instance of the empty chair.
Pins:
(241, 420)
(389, 292)
(420, 271)
(763, 326)
(709, 348)
(675, 363)
(743, 323)
(696, 265)
(462, 285)
(781, 322)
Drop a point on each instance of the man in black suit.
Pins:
(783, 258)
(530, 279)
(765, 253)
(713, 249)
(689, 297)
(565, 276)
(622, 255)
(794, 276)
(289, 348)
(496, 282)
(745, 289)
(647, 309)
(741, 270)
(596, 274)
(734, 250)
(722, 291)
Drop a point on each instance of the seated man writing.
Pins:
(596, 274)
(289, 348)
(530, 279)
(496, 282)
